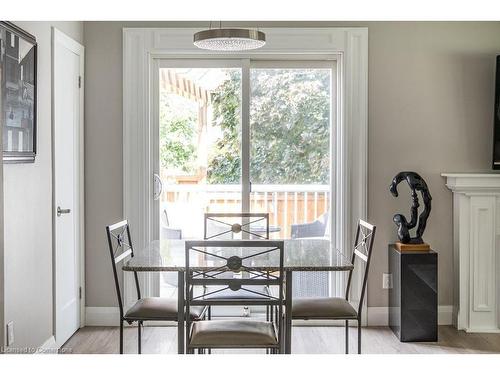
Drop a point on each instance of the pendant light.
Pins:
(222, 39)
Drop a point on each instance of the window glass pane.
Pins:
(200, 143)
(290, 125)
(290, 117)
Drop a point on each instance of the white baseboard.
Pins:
(102, 316)
(379, 316)
(48, 347)
(445, 315)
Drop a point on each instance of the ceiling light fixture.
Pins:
(229, 39)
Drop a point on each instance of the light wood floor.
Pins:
(163, 340)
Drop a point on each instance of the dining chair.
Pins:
(336, 308)
(225, 226)
(260, 263)
(145, 308)
(222, 225)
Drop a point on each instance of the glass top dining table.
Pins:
(304, 255)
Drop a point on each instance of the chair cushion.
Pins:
(157, 308)
(232, 334)
(238, 294)
(322, 308)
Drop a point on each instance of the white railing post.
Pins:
(255, 200)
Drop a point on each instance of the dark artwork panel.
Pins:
(496, 119)
(18, 63)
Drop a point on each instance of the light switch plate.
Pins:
(10, 333)
(387, 280)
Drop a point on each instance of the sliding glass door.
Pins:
(199, 144)
(246, 135)
(290, 145)
(290, 154)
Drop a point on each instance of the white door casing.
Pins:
(349, 46)
(67, 117)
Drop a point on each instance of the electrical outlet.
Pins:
(10, 333)
(387, 280)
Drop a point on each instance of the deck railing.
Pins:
(286, 204)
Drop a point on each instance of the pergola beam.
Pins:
(172, 82)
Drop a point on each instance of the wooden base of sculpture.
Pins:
(403, 247)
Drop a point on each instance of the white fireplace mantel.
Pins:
(476, 235)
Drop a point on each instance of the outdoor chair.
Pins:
(311, 284)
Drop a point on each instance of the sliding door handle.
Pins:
(157, 187)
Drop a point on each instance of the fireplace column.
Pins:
(476, 231)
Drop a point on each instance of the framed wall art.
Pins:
(18, 70)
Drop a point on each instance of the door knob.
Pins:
(61, 211)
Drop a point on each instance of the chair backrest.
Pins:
(234, 265)
(120, 248)
(222, 225)
(316, 228)
(363, 245)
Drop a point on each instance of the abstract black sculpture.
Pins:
(417, 184)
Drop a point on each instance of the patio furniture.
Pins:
(239, 257)
(334, 308)
(308, 254)
(308, 284)
(144, 309)
(317, 228)
(166, 231)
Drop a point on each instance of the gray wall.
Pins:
(28, 211)
(430, 110)
(431, 97)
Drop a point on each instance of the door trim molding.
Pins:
(141, 46)
(78, 49)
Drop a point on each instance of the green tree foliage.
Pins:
(290, 132)
(177, 135)
(224, 166)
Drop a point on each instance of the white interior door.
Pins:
(67, 158)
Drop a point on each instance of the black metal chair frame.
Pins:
(237, 228)
(363, 245)
(243, 227)
(127, 249)
(123, 248)
(217, 276)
